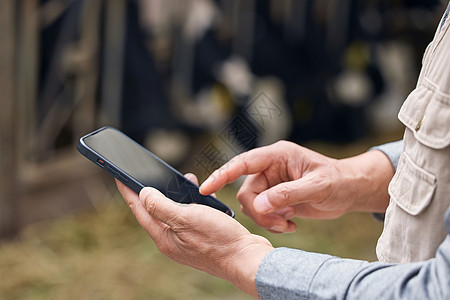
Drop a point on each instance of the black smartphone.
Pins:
(137, 167)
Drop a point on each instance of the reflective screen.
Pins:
(146, 168)
(129, 156)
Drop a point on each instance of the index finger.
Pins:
(251, 162)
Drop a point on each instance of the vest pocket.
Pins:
(412, 187)
(426, 112)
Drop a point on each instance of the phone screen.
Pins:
(147, 169)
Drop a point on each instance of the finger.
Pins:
(160, 207)
(274, 222)
(255, 185)
(251, 188)
(153, 227)
(128, 194)
(250, 162)
(191, 177)
(308, 211)
(286, 194)
(292, 227)
(287, 212)
(194, 179)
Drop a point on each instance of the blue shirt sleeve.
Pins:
(294, 274)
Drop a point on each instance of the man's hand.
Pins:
(199, 236)
(286, 180)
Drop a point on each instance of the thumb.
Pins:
(159, 206)
(280, 196)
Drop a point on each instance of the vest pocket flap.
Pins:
(412, 187)
(426, 112)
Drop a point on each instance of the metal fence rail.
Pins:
(41, 119)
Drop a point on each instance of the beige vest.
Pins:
(420, 189)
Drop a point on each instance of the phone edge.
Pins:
(132, 182)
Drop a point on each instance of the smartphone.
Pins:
(137, 167)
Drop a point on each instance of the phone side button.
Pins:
(111, 170)
(117, 174)
(122, 178)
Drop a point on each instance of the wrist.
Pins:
(367, 181)
(244, 264)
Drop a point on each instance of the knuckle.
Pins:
(282, 143)
(243, 160)
(283, 195)
(221, 173)
(132, 207)
(150, 202)
(241, 195)
(245, 195)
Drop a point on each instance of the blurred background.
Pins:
(196, 82)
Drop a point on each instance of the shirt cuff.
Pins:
(287, 273)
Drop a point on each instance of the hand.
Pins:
(199, 236)
(287, 180)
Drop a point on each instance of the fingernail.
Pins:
(262, 204)
(143, 194)
(277, 228)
